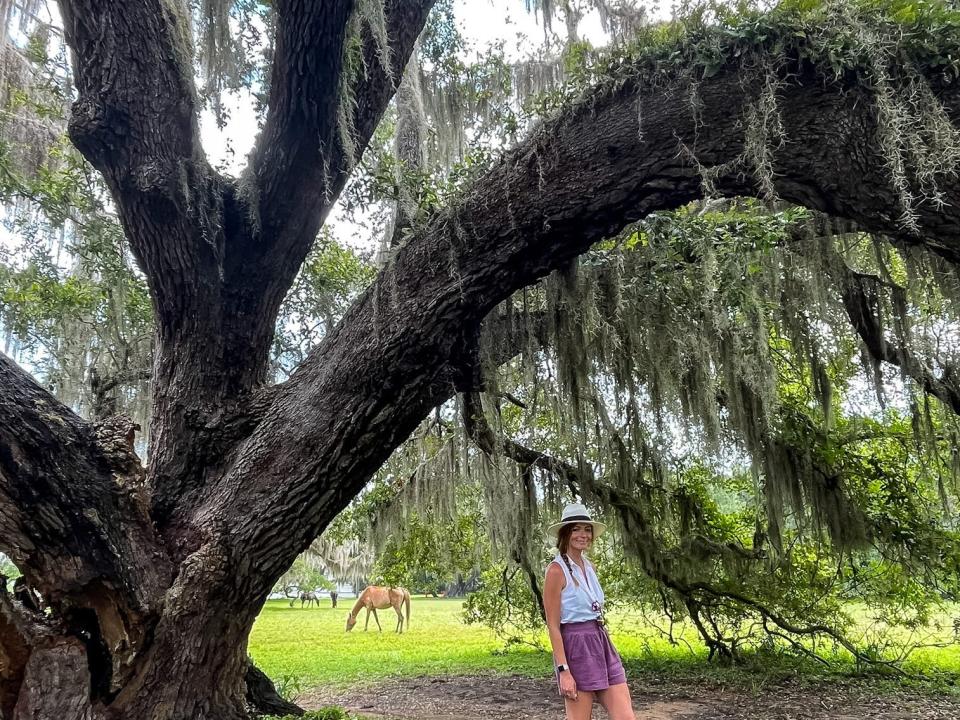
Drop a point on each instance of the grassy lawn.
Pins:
(304, 648)
(311, 646)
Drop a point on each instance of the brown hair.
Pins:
(563, 542)
(563, 538)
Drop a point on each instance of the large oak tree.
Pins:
(154, 575)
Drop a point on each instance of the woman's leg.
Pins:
(616, 700)
(580, 708)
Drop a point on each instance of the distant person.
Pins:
(333, 598)
(587, 665)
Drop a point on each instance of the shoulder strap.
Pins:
(591, 574)
(589, 587)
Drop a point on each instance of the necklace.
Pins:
(595, 605)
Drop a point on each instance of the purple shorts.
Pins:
(594, 662)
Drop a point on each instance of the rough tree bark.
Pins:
(154, 577)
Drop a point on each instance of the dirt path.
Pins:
(499, 698)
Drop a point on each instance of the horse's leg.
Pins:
(367, 623)
(377, 619)
(397, 610)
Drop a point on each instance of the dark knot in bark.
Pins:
(162, 177)
(95, 128)
(115, 436)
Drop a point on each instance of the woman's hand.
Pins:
(568, 686)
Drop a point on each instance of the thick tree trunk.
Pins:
(154, 579)
(201, 675)
(150, 604)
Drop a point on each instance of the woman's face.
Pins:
(581, 537)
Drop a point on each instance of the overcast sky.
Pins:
(482, 22)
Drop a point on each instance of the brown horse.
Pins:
(377, 597)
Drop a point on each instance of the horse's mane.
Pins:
(359, 603)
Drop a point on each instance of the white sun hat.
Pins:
(577, 513)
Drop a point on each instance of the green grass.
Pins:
(304, 648)
(310, 645)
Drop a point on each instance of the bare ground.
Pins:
(486, 697)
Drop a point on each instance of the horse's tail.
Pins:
(406, 599)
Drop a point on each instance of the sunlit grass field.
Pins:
(305, 647)
(310, 645)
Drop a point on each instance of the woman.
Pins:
(587, 665)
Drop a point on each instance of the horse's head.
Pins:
(351, 621)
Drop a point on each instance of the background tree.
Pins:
(305, 575)
(732, 437)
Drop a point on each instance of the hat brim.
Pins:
(599, 528)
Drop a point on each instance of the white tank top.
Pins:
(576, 602)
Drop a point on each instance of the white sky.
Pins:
(482, 22)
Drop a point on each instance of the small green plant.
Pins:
(289, 686)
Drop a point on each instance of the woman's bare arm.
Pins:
(552, 587)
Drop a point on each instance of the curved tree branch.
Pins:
(479, 430)
(300, 163)
(410, 340)
(135, 120)
(859, 293)
(816, 629)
